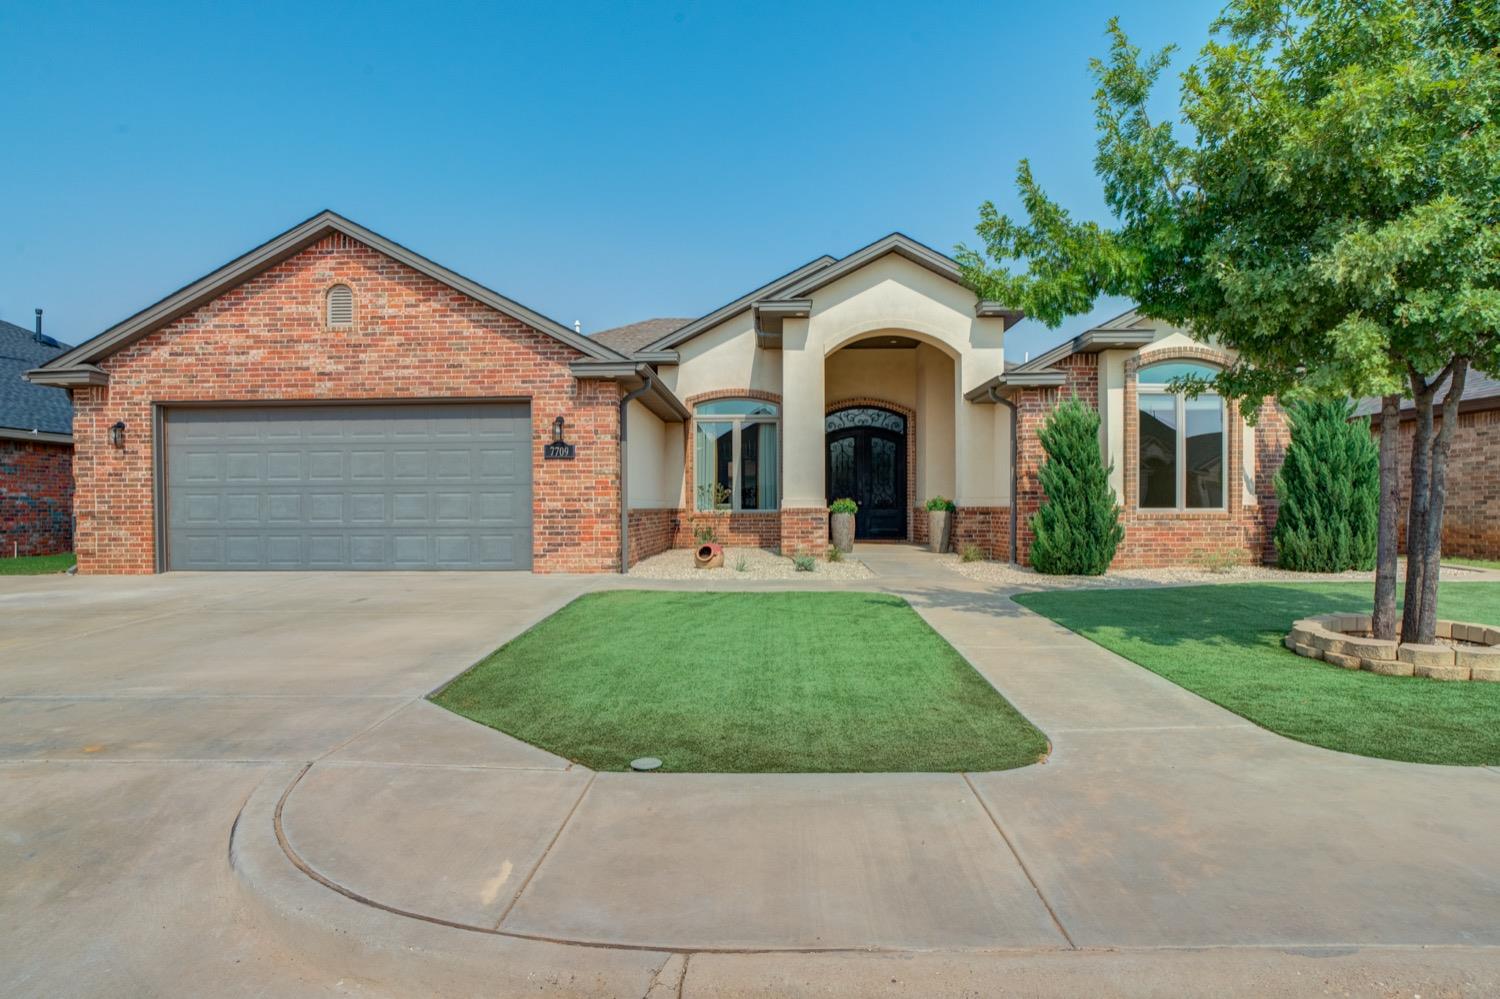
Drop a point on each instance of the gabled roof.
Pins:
(1123, 332)
(734, 308)
(632, 337)
(902, 245)
(789, 292)
(27, 410)
(267, 255)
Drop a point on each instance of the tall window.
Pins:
(734, 454)
(1182, 441)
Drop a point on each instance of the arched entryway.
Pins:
(866, 461)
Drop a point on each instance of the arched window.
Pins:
(735, 455)
(340, 305)
(1182, 454)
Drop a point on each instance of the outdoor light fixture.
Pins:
(117, 434)
(557, 430)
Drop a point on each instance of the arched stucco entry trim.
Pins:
(891, 327)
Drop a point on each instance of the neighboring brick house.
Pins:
(332, 400)
(36, 449)
(1471, 513)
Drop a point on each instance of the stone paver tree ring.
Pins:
(1462, 651)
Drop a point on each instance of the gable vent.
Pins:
(340, 306)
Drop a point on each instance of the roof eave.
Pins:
(631, 375)
(73, 376)
(42, 436)
(286, 245)
(998, 310)
(739, 305)
(1013, 381)
(772, 314)
(1090, 342)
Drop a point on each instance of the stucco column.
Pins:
(802, 418)
(804, 502)
(975, 426)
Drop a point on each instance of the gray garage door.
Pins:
(349, 487)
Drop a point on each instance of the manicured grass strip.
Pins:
(746, 683)
(36, 565)
(1478, 563)
(1224, 643)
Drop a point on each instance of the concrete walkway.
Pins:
(231, 784)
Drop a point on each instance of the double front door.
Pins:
(867, 463)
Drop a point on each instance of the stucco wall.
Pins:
(876, 374)
(891, 295)
(654, 453)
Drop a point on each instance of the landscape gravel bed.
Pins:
(1003, 574)
(758, 563)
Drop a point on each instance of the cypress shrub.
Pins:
(1078, 527)
(1329, 491)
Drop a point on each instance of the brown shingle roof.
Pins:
(629, 339)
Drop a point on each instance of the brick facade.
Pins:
(805, 531)
(652, 531)
(747, 529)
(413, 338)
(1239, 534)
(36, 497)
(986, 527)
(1471, 513)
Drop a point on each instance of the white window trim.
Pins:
(739, 422)
(1180, 486)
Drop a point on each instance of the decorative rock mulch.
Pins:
(1463, 652)
(747, 564)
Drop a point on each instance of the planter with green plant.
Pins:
(841, 523)
(939, 523)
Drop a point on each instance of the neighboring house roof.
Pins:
(1481, 391)
(631, 338)
(789, 291)
(28, 410)
(79, 365)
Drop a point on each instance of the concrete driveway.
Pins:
(227, 784)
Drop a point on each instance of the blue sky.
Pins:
(602, 163)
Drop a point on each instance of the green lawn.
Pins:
(35, 565)
(746, 683)
(1224, 643)
(1478, 563)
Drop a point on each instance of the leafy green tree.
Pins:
(1077, 528)
(1329, 491)
(1331, 212)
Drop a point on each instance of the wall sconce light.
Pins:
(557, 430)
(117, 434)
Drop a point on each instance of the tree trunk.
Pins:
(1390, 509)
(1432, 543)
(1416, 511)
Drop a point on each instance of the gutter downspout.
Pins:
(625, 401)
(1014, 437)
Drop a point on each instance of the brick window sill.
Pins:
(1139, 514)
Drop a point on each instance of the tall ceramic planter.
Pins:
(939, 526)
(841, 531)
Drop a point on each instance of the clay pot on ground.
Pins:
(710, 556)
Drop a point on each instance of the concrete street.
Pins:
(225, 784)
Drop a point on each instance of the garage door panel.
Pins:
(349, 487)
